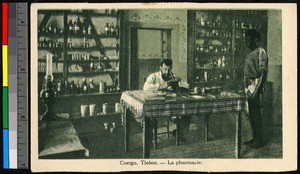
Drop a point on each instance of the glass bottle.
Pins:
(72, 88)
(84, 86)
(71, 29)
(78, 87)
(91, 85)
(112, 29)
(77, 24)
(66, 87)
(50, 29)
(106, 29)
(59, 87)
(116, 30)
(89, 29)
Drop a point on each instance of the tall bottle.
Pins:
(106, 29)
(77, 25)
(84, 86)
(116, 30)
(78, 87)
(112, 29)
(89, 29)
(91, 85)
(71, 29)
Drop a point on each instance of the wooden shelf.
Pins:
(52, 35)
(89, 61)
(50, 49)
(78, 117)
(93, 48)
(91, 36)
(223, 39)
(90, 95)
(54, 73)
(92, 73)
(212, 54)
(82, 13)
(220, 69)
(54, 61)
(198, 27)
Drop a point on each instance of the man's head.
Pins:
(166, 66)
(252, 36)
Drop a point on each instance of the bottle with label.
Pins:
(66, 87)
(72, 88)
(50, 29)
(116, 30)
(84, 86)
(77, 25)
(112, 29)
(59, 87)
(106, 29)
(89, 29)
(69, 43)
(78, 87)
(91, 85)
(71, 29)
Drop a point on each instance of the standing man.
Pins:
(165, 79)
(255, 74)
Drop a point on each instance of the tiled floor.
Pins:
(220, 145)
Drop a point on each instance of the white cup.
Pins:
(84, 110)
(92, 109)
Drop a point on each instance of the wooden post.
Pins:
(155, 133)
(126, 129)
(177, 130)
(206, 127)
(146, 138)
(238, 135)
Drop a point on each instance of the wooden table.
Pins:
(149, 104)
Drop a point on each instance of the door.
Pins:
(148, 47)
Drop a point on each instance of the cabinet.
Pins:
(216, 49)
(87, 56)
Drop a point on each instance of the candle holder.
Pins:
(48, 96)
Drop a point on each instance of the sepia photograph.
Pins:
(157, 86)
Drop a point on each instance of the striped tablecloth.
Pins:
(150, 104)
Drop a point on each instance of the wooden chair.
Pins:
(156, 126)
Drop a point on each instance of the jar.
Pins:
(104, 108)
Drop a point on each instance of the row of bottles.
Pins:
(217, 76)
(85, 87)
(211, 23)
(84, 44)
(241, 24)
(78, 27)
(56, 67)
(213, 33)
(50, 44)
(111, 29)
(50, 29)
(217, 62)
(87, 57)
(210, 48)
(102, 66)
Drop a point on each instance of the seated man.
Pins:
(166, 80)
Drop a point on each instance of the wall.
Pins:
(275, 62)
(179, 17)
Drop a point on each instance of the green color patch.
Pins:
(5, 107)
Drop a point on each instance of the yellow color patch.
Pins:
(5, 64)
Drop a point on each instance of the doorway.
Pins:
(146, 45)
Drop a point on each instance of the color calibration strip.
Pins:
(12, 78)
(5, 85)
